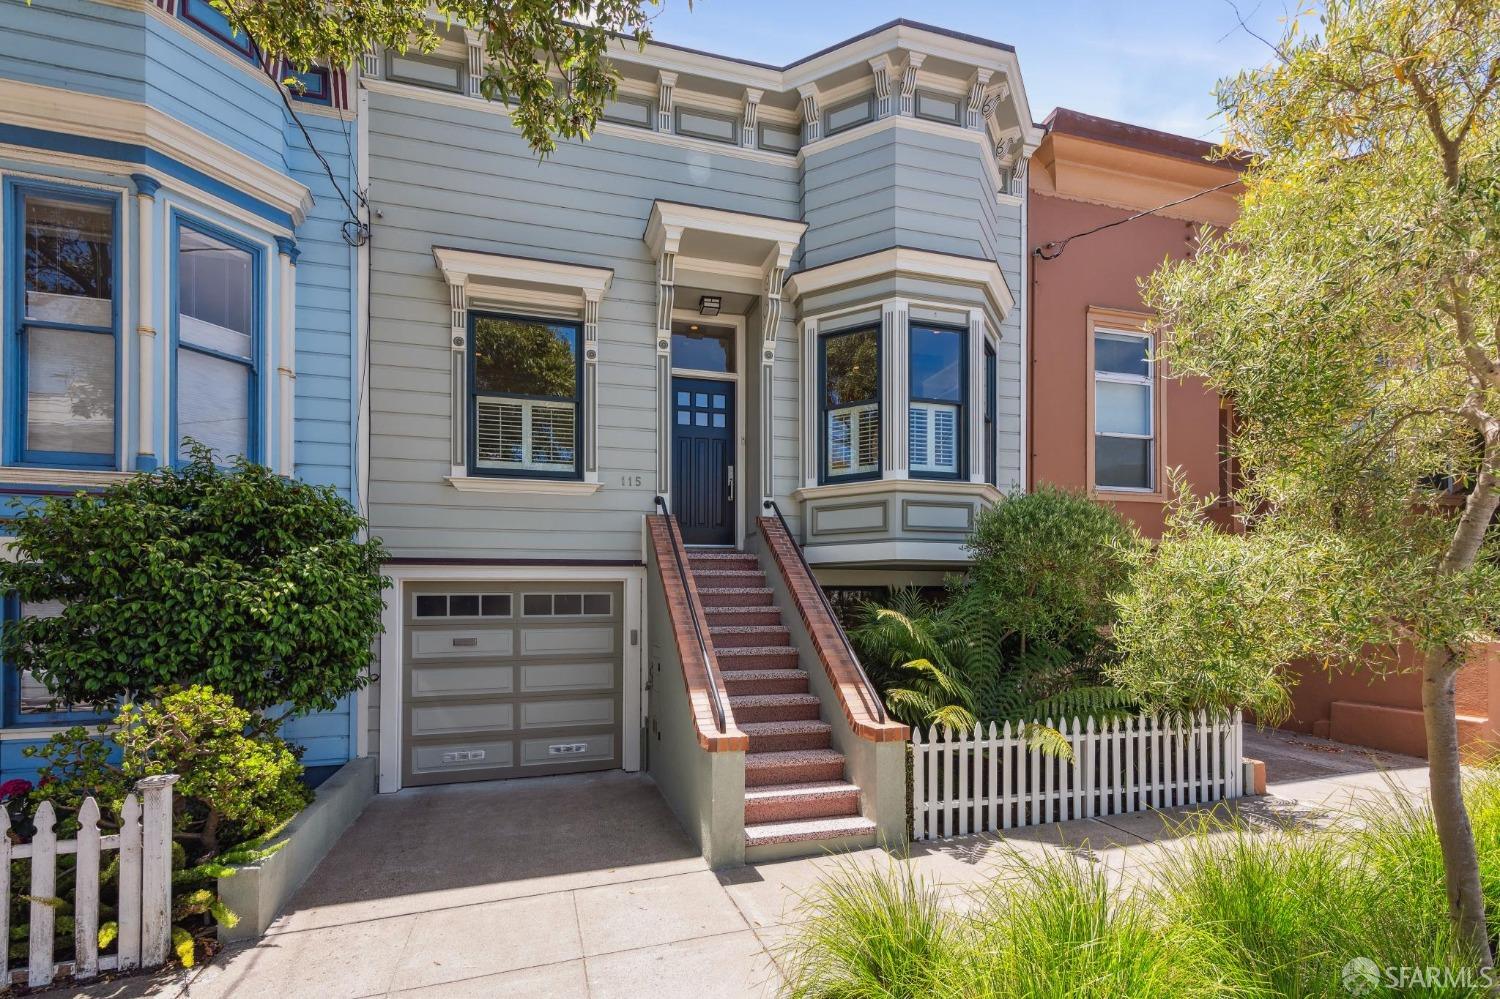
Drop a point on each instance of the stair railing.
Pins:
(859, 669)
(710, 665)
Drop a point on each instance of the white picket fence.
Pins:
(144, 843)
(969, 782)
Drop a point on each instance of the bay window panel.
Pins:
(1122, 408)
(850, 401)
(217, 326)
(938, 400)
(933, 438)
(525, 396)
(70, 392)
(69, 261)
(213, 402)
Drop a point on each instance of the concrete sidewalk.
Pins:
(586, 888)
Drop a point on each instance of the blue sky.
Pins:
(1150, 62)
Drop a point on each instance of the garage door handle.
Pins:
(465, 642)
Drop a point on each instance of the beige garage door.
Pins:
(511, 680)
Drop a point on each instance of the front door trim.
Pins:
(738, 378)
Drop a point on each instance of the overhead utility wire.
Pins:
(1054, 249)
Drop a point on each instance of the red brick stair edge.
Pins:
(682, 605)
(842, 670)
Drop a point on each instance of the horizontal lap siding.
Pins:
(463, 177)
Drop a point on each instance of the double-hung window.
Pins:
(1124, 411)
(27, 699)
(935, 414)
(850, 363)
(63, 352)
(217, 326)
(525, 397)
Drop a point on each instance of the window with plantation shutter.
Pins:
(935, 413)
(850, 363)
(525, 394)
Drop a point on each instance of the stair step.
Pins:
(725, 560)
(729, 636)
(758, 657)
(735, 596)
(749, 708)
(798, 766)
(742, 615)
(804, 830)
(728, 577)
(788, 802)
(785, 736)
(764, 681)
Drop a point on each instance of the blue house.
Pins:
(179, 245)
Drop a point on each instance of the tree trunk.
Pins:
(1454, 833)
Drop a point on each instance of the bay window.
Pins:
(525, 396)
(217, 326)
(850, 403)
(64, 371)
(936, 410)
(1124, 411)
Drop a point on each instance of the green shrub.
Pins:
(251, 583)
(1052, 563)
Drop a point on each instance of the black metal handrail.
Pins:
(864, 678)
(709, 664)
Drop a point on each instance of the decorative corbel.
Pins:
(881, 67)
(747, 123)
(909, 82)
(665, 83)
(978, 109)
(812, 123)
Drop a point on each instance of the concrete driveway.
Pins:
(587, 888)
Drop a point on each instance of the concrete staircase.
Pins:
(795, 786)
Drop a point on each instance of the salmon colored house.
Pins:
(1106, 418)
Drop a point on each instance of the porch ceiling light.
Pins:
(708, 305)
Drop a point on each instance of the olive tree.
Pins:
(1352, 313)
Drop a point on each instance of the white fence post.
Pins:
(129, 921)
(86, 893)
(965, 782)
(39, 967)
(156, 868)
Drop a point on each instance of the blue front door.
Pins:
(703, 472)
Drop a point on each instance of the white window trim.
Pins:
(1147, 380)
(545, 288)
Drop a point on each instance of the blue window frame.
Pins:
(525, 397)
(214, 22)
(938, 402)
(27, 701)
(217, 281)
(313, 85)
(849, 404)
(61, 326)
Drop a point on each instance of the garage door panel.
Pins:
(462, 643)
(529, 693)
(582, 749)
(455, 681)
(447, 719)
(546, 678)
(580, 639)
(456, 757)
(571, 712)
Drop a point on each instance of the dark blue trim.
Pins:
(471, 395)
(288, 245)
(214, 23)
(145, 463)
(145, 184)
(15, 325)
(127, 152)
(962, 444)
(824, 476)
(317, 85)
(177, 221)
(13, 717)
